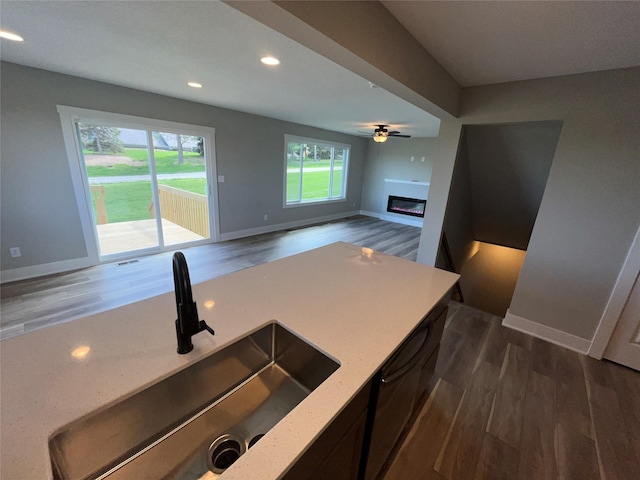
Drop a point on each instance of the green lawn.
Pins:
(127, 201)
(166, 162)
(195, 185)
(130, 201)
(117, 170)
(315, 185)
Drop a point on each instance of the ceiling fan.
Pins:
(381, 134)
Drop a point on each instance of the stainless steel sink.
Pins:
(197, 422)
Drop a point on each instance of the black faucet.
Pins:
(187, 323)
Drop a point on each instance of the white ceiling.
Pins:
(486, 42)
(159, 46)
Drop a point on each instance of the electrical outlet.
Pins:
(220, 178)
(266, 217)
(15, 252)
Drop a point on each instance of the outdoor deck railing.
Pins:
(97, 192)
(187, 209)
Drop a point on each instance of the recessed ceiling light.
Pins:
(11, 36)
(270, 61)
(195, 84)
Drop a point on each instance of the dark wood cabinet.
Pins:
(425, 386)
(336, 453)
(344, 461)
(341, 451)
(397, 398)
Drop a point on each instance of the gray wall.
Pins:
(509, 165)
(392, 159)
(489, 277)
(39, 212)
(458, 221)
(445, 151)
(590, 209)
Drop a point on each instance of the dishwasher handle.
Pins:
(409, 364)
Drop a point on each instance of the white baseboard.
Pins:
(23, 273)
(283, 226)
(557, 337)
(407, 220)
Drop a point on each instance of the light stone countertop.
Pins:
(354, 304)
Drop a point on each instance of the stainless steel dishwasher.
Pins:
(398, 389)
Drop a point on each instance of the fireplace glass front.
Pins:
(406, 206)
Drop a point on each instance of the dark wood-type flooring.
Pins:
(504, 405)
(509, 406)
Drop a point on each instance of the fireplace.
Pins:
(406, 206)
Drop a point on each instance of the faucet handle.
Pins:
(203, 326)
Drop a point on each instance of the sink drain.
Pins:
(223, 452)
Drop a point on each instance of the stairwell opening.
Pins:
(498, 183)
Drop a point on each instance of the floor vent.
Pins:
(127, 262)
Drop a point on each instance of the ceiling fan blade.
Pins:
(400, 136)
(392, 132)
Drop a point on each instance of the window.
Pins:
(315, 171)
(141, 184)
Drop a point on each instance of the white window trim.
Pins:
(325, 143)
(68, 118)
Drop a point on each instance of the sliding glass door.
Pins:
(182, 188)
(148, 188)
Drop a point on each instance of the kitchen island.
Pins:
(353, 304)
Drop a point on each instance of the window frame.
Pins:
(288, 138)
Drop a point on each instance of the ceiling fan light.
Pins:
(379, 138)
